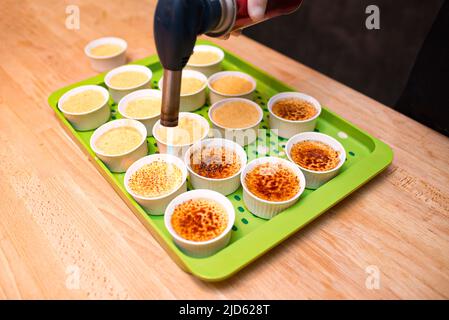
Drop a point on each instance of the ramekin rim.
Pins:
(300, 175)
(222, 56)
(127, 176)
(148, 72)
(342, 152)
(224, 73)
(121, 105)
(276, 97)
(98, 152)
(217, 105)
(243, 160)
(91, 45)
(206, 133)
(231, 217)
(87, 87)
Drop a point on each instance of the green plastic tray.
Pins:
(251, 236)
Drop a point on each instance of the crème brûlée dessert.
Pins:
(106, 50)
(199, 220)
(215, 162)
(187, 132)
(232, 85)
(155, 179)
(236, 115)
(315, 155)
(84, 101)
(128, 79)
(119, 140)
(200, 58)
(272, 182)
(146, 107)
(294, 109)
(190, 85)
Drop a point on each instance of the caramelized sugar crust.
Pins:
(215, 162)
(272, 182)
(294, 109)
(315, 155)
(199, 219)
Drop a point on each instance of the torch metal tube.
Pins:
(171, 91)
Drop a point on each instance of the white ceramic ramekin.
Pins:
(204, 248)
(242, 136)
(216, 96)
(120, 162)
(288, 128)
(87, 120)
(106, 62)
(118, 93)
(269, 209)
(224, 186)
(157, 205)
(211, 68)
(195, 100)
(148, 122)
(180, 150)
(317, 178)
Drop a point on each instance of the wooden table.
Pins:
(61, 222)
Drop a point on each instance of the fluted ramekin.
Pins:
(120, 162)
(180, 149)
(317, 178)
(201, 248)
(288, 128)
(103, 63)
(210, 68)
(242, 136)
(269, 209)
(148, 122)
(216, 96)
(118, 93)
(157, 205)
(224, 186)
(89, 120)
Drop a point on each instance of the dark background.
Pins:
(331, 37)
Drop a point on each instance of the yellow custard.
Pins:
(190, 85)
(236, 115)
(188, 131)
(232, 85)
(203, 57)
(143, 107)
(84, 101)
(118, 140)
(106, 50)
(128, 79)
(155, 179)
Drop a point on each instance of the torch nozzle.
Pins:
(171, 85)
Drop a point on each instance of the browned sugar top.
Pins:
(315, 155)
(155, 179)
(199, 219)
(272, 182)
(294, 109)
(215, 162)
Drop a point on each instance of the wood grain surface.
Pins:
(64, 232)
